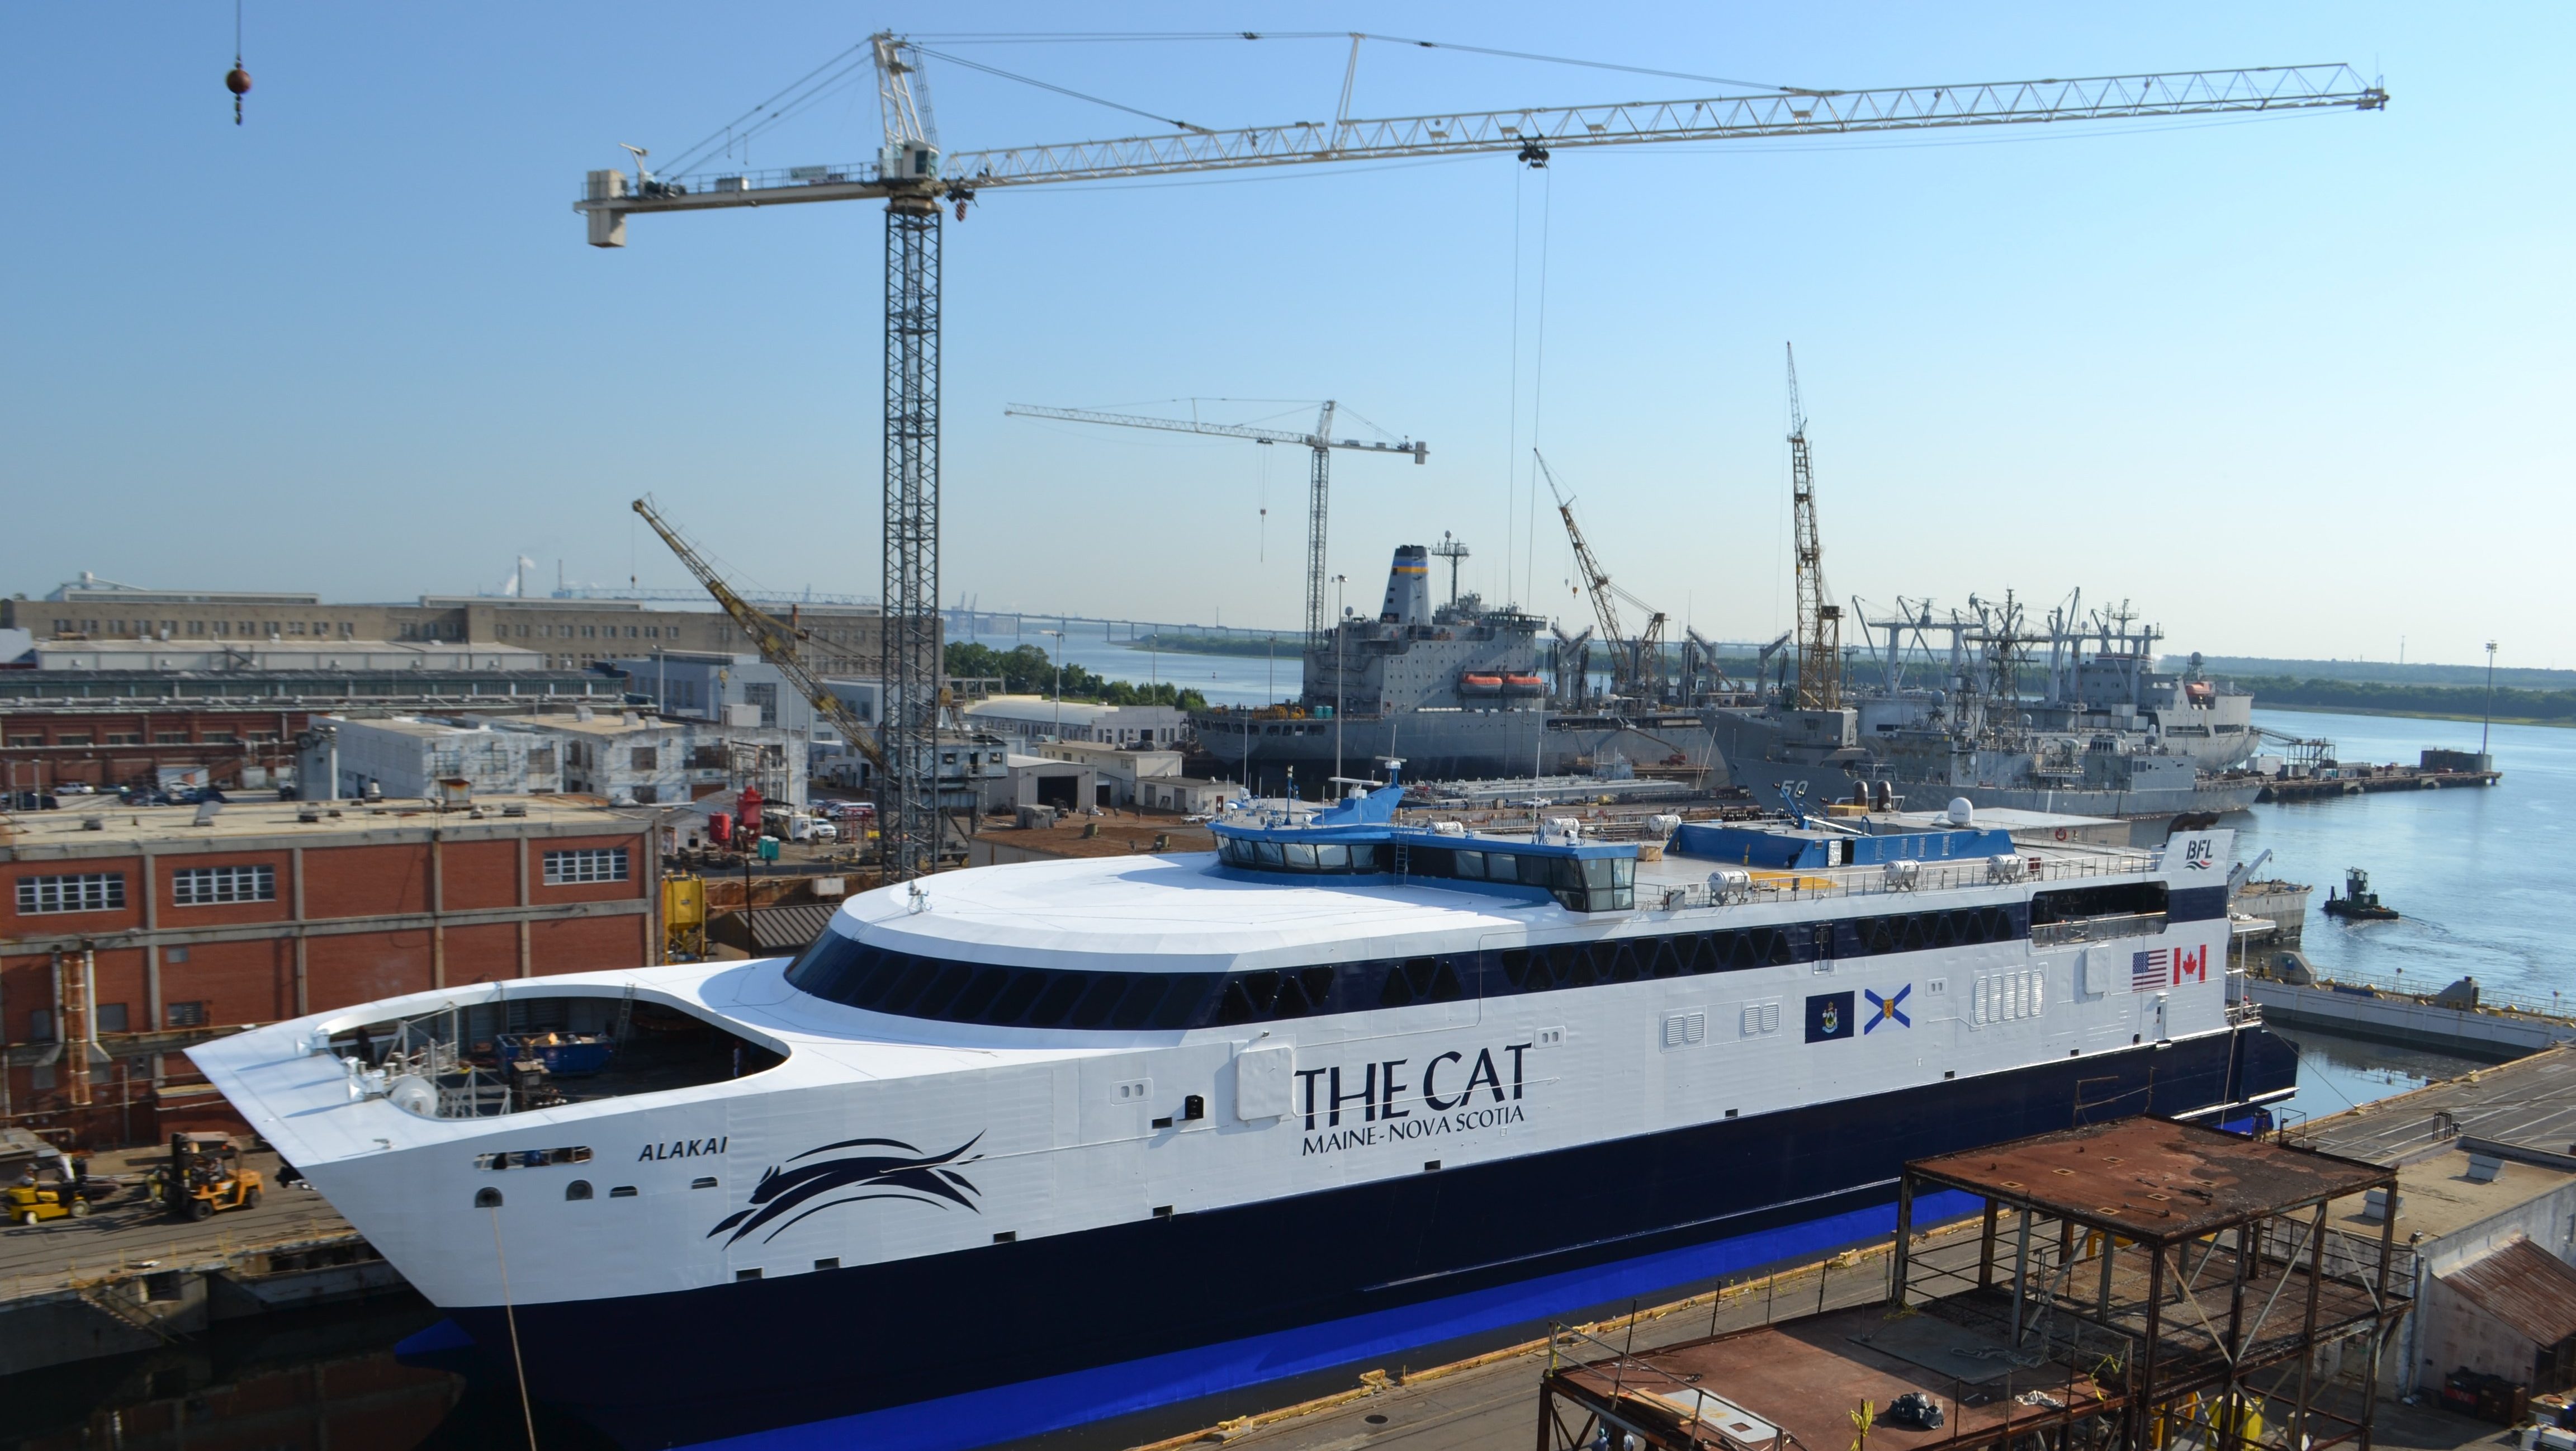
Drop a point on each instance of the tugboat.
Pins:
(2358, 902)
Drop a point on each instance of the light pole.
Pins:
(1341, 632)
(1059, 680)
(2487, 715)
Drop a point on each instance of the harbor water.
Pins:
(2479, 877)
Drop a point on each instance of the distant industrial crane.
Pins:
(1820, 622)
(1636, 666)
(912, 176)
(776, 640)
(1319, 496)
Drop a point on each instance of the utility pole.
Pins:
(2487, 716)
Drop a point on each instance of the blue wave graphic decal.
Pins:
(786, 1194)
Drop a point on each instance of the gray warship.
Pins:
(1459, 692)
(1965, 705)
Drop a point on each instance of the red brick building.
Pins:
(129, 744)
(178, 932)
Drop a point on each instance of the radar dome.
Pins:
(1961, 812)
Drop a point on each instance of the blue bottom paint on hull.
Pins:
(958, 1423)
(1126, 1317)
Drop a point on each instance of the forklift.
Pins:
(39, 1182)
(205, 1174)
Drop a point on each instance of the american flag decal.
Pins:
(2167, 967)
(2147, 969)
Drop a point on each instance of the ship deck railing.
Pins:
(1656, 891)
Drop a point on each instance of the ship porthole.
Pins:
(487, 1198)
(577, 1189)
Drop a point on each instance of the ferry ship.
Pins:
(1021, 1147)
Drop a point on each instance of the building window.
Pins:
(111, 1017)
(564, 868)
(72, 739)
(632, 632)
(169, 738)
(26, 740)
(589, 631)
(125, 738)
(83, 892)
(652, 632)
(208, 886)
(222, 738)
(187, 1015)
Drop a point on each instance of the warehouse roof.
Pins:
(2522, 1285)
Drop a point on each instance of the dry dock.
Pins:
(128, 1277)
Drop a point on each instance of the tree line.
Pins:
(1029, 670)
(2456, 701)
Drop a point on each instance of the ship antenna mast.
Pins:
(1820, 653)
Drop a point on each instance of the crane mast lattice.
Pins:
(1820, 621)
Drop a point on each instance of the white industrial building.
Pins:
(627, 758)
(1030, 718)
(1117, 770)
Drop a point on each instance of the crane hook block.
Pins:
(237, 81)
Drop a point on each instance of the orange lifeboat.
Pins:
(1472, 683)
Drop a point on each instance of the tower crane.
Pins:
(912, 176)
(776, 640)
(1319, 494)
(1636, 666)
(1820, 622)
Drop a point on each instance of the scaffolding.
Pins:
(2142, 1285)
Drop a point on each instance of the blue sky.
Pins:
(2294, 386)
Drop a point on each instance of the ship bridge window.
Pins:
(1300, 857)
(844, 970)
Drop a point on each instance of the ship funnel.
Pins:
(1408, 588)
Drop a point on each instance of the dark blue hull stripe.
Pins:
(979, 1418)
(907, 1353)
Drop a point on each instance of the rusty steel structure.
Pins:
(2139, 1285)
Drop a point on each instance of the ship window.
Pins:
(1364, 858)
(1098, 999)
(1502, 866)
(1267, 853)
(577, 1189)
(943, 990)
(917, 974)
(1623, 963)
(1137, 1007)
(2112, 899)
(1057, 1001)
(1333, 857)
(970, 1004)
(1668, 955)
(1469, 864)
(1015, 998)
(487, 1198)
(1516, 969)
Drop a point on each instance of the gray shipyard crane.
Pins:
(1319, 489)
(1636, 666)
(1820, 621)
(912, 176)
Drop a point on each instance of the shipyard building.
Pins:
(130, 934)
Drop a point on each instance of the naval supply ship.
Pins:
(1455, 692)
(1019, 1147)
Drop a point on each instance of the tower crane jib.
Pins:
(912, 176)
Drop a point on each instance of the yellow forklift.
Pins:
(205, 1174)
(39, 1182)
